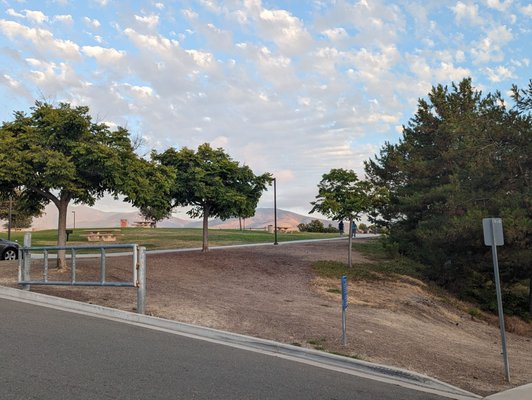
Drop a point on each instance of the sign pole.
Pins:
(499, 300)
(344, 307)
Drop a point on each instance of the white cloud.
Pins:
(335, 34)
(189, 14)
(66, 19)
(140, 92)
(491, 47)
(448, 72)
(213, 6)
(468, 12)
(201, 58)
(499, 74)
(527, 10)
(41, 38)
(498, 5)
(13, 13)
(285, 30)
(150, 21)
(106, 56)
(93, 23)
(156, 43)
(37, 17)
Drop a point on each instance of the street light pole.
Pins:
(74, 213)
(275, 210)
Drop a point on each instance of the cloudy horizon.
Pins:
(291, 88)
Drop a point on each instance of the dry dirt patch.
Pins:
(271, 292)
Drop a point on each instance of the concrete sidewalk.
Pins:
(519, 393)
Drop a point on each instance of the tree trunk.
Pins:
(205, 247)
(349, 258)
(62, 207)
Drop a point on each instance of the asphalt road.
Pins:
(51, 354)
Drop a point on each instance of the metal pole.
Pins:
(350, 244)
(141, 282)
(344, 307)
(275, 210)
(26, 262)
(74, 226)
(499, 302)
(10, 216)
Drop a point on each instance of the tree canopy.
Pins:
(14, 204)
(212, 184)
(58, 154)
(464, 156)
(342, 196)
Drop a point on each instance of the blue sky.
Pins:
(288, 87)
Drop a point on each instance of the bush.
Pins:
(316, 226)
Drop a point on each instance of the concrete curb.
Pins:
(518, 393)
(321, 359)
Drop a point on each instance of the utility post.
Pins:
(10, 217)
(275, 210)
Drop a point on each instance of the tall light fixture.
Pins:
(275, 210)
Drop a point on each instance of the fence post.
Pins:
(141, 281)
(26, 261)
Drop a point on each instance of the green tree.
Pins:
(212, 184)
(342, 196)
(464, 156)
(155, 214)
(58, 155)
(15, 204)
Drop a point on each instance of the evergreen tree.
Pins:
(464, 156)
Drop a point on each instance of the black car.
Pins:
(8, 250)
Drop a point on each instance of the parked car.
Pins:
(8, 249)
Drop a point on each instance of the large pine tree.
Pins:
(464, 156)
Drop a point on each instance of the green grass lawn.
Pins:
(168, 238)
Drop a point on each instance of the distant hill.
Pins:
(263, 217)
(87, 217)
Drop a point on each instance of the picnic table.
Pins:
(102, 235)
(144, 224)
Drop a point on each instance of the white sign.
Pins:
(493, 230)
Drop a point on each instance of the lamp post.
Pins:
(275, 210)
(74, 214)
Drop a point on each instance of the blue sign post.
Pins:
(344, 306)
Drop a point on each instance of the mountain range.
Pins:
(87, 217)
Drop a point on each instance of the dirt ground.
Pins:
(271, 292)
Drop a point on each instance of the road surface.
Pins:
(51, 354)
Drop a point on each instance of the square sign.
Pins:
(493, 230)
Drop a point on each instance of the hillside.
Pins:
(88, 217)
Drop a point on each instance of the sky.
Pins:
(294, 88)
